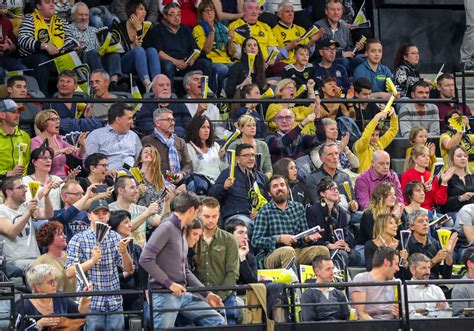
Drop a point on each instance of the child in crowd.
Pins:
(301, 70)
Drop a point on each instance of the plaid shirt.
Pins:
(88, 36)
(103, 275)
(272, 221)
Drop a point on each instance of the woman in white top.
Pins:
(40, 168)
(205, 153)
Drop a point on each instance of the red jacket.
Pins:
(438, 194)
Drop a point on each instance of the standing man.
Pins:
(218, 261)
(116, 140)
(172, 149)
(323, 268)
(277, 224)
(10, 138)
(100, 262)
(165, 259)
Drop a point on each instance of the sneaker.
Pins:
(468, 66)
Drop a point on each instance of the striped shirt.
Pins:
(26, 37)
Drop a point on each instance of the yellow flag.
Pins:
(267, 94)
(251, 58)
(34, 187)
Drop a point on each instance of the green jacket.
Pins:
(218, 263)
(9, 150)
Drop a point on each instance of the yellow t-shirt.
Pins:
(215, 55)
(284, 35)
(260, 31)
(300, 114)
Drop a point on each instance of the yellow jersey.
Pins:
(215, 55)
(260, 31)
(284, 35)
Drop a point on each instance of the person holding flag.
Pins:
(41, 37)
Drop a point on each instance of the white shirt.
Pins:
(209, 164)
(422, 292)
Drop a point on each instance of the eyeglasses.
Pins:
(52, 282)
(284, 118)
(54, 119)
(169, 120)
(45, 158)
(105, 165)
(333, 189)
(248, 155)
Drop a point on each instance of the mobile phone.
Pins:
(437, 168)
(100, 188)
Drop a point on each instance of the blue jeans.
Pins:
(100, 16)
(144, 63)
(111, 62)
(205, 65)
(231, 314)
(188, 300)
(221, 71)
(9, 63)
(104, 322)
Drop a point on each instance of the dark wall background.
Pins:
(434, 26)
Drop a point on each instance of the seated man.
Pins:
(374, 70)
(424, 115)
(384, 266)
(446, 88)
(161, 87)
(41, 36)
(10, 139)
(420, 242)
(464, 291)
(465, 225)
(328, 67)
(329, 156)
(192, 85)
(175, 43)
(277, 224)
(420, 269)
(173, 152)
(17, 229)
(365, 112)
(233, 193)
(17, 88)
(288, 141)
(378, 173)
(67, 85)
(248, 262)
(116, 140)
(99, 83)
(250, 26)
(337, 30)
(371, 141)
(323, 268)
(288, 35)
(86, 35)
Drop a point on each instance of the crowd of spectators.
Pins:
(185, 207)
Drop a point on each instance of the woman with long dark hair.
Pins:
(287, 168)
(406, 74)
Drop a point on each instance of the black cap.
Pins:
(98, 204)
(328, 42)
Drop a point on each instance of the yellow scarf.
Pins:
(52, 34)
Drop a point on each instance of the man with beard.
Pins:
(127, 196)
(277, 224)
(161, 87)
(420, 266)
(218, 262)
(424, 115)
(87, 36)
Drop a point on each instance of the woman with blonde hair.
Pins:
(419, 136)
(286, 89)
(384, 232)
(415, 170)
(383, 201)
(47, 123)
(248, 126)
(461, 185)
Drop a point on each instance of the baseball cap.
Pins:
(98, 204)
(9, 105)
(328, 42)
